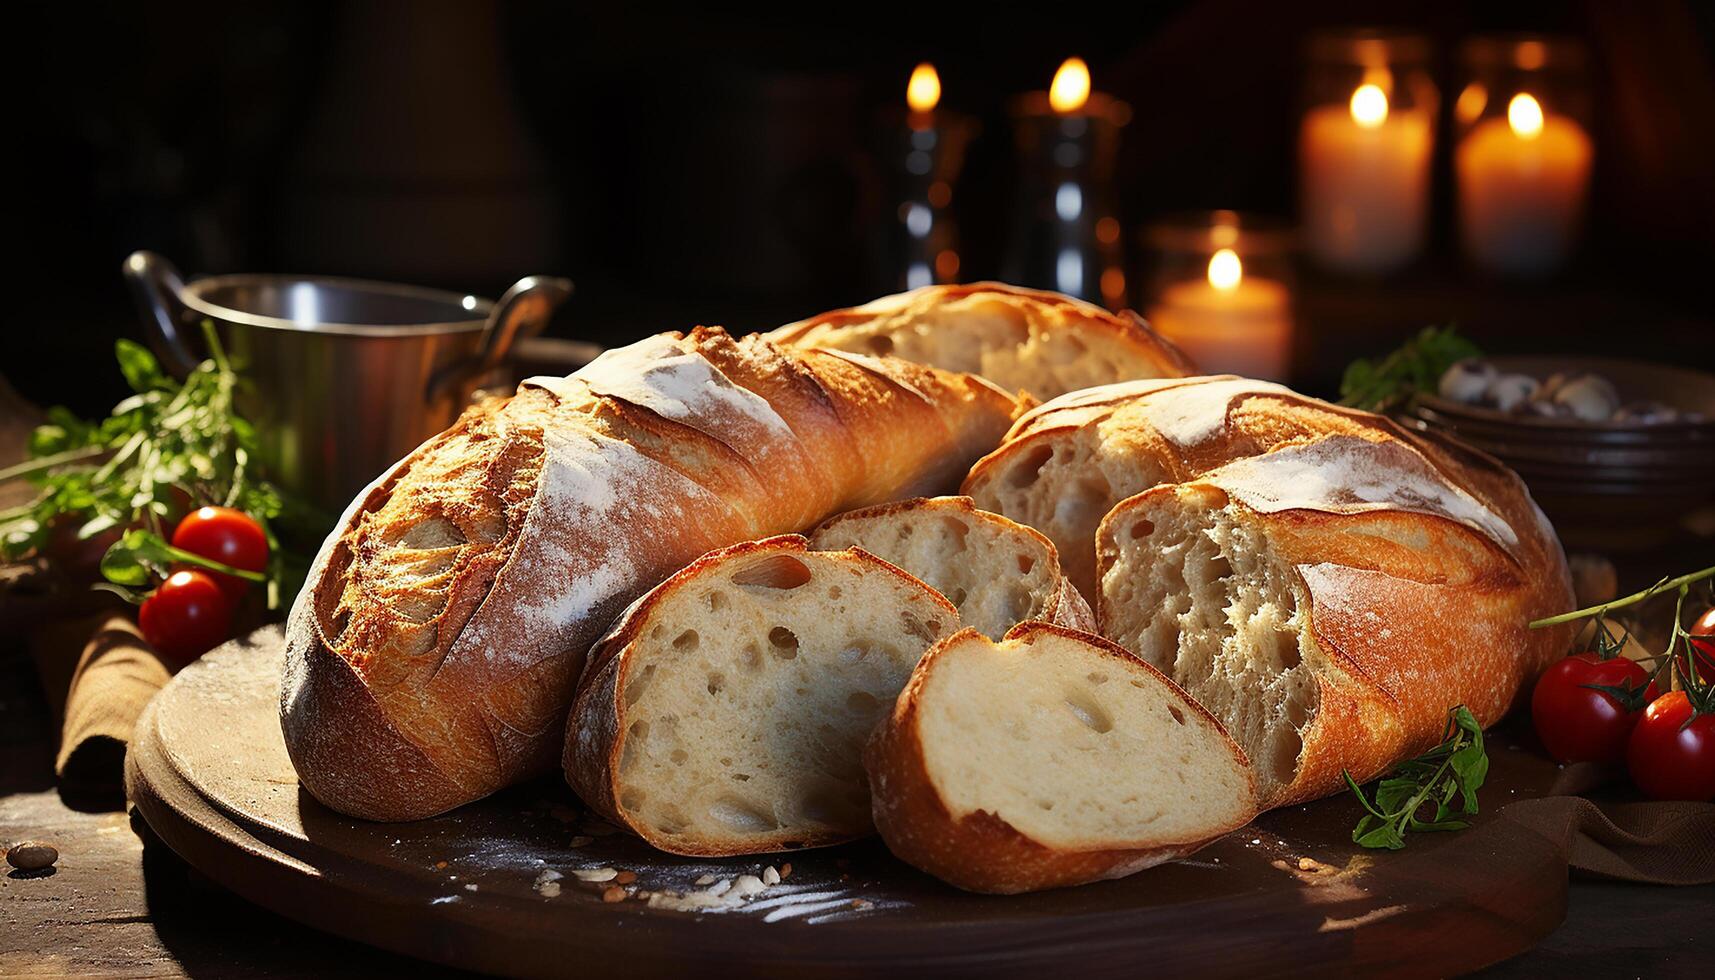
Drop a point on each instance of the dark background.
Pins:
(689, 165)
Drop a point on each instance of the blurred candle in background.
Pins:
(1364, 150)
(1063, 232)
(1522, 184)
(930, 148)
(1524, 158)
(1228, 318)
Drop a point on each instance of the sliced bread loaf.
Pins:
(727, 711)
(997, 571)
(1051, 758)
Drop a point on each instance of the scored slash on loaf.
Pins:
(432, 655)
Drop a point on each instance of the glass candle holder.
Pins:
(1364, 149)
(1064, 234)
(927, 147)
(1221, 288)
(1524, 152)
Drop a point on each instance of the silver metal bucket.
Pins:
(343, 376)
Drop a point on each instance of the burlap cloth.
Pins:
(115, 677)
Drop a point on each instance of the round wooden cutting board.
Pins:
(495, 886)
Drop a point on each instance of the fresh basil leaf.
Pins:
(142, 372)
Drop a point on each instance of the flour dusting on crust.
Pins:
(1343, 474)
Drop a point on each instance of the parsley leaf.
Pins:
(1446, 778)
(1377, 386)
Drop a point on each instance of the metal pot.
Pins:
(343, 376)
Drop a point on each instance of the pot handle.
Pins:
(155, 285)
(523, 312)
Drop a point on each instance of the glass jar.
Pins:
(1221, 287)
(1365, 144)
(1524, 152)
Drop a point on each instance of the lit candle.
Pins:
(1364, 171)
(933, 144)
(1064, 234)
(1229, 322)
(1522, 184)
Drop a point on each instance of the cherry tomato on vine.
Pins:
(1580, 724)
(186, 616)
(1671, 754)
(228, 536)
(1703, 625)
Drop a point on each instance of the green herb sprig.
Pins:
(1378, 386)
(167, 449)
(1445, 778)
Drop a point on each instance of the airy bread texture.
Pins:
(730, 709)
(1326, 582)
(998, 572)
(1052, 758)
(434, 651)
(1025, 340)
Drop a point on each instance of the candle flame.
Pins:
(923, 92)
(1369, 106)
(1071, 88)
(1524, 115)
(1225, 270)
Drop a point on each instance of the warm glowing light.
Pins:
(1524, 115)
(923, 92)
(1225, 270)
(1530, 55)
(940, 194)
(1108, 230)
(947, 265)
(1471, 103)
(1071, 88)
(1369, 106)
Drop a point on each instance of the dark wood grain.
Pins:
(1290, 895)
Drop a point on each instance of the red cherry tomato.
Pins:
(186, 616)
(228, 536)
(1579, 724)
(1672, 751)
(1703, 625)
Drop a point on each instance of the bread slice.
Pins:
(1025, 340)
(729, 706)
(1051, 758)
(997, 571)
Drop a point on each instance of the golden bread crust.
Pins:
(461, 591)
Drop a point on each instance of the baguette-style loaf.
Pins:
(1026, 340)
(731, 704)
(1051, 758)
(434, 650)
(998, 572)
(1327, 583)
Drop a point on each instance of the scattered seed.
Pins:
(625, 877)
(1306, 864)
(595, 874)
(32, 855)
(706, 880)
(613, 894)
(770, 876)
(786, 871)
(440, 864)
(747, 885)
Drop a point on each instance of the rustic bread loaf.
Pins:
(1022, 339)
(433, 653)
(1326, 582)
(1051, 758)
(999, 573)
(730, 708)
